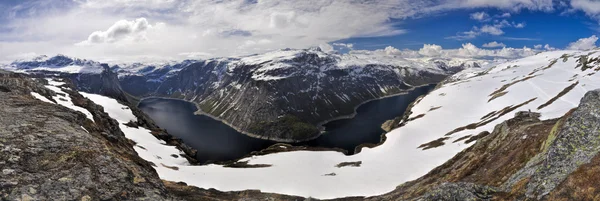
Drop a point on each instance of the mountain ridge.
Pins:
(264, 95)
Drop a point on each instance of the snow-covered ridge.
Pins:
(278, 60)
(58, 63)
(61, 98)
(550, 83)
(65, 64)
(147, 146)
(280, 64)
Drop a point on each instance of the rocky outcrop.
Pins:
(191, 193)
(50, 152)
(577, 143)
(107, 83)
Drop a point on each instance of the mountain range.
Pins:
(285, 95)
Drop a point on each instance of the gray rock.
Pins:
(459, 191)
(47, 156)
(574, 144)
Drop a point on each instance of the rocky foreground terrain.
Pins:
(50, 152)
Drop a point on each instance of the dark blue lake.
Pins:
(216, 141)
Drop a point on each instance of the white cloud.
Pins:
(325, 47)
(519, 25)
(584, 43)
(505, 15)
(221, 28)
(344, 45)
(545, 47)
(467, 50)
(431, 50)
(590, 7)
(480, 16)
(494, 44)
(493, 30)
(134, 30)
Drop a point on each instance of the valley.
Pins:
(310, 100)
(462, 118)
(217, 142)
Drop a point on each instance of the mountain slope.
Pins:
(52, 152)
(440, 127)
(286, 95)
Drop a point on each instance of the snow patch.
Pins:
(147, 146)
(399, 159)
(40, 97)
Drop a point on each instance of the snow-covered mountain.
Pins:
(58, 63)
(463, 109)
(441, 125)
(283, 95)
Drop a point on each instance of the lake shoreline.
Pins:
(319, 125)
(349, 146)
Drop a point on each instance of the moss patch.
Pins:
(289, 125)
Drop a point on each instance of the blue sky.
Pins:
(170, 29)
(553, 28)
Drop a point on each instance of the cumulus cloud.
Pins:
(584, 43)
(547, 47)
(544, 47)
(493, 30)
(431, 50)
(467, 50)
(134, 30)
(494, 44)
(480, 16)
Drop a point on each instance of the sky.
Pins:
(135, 30)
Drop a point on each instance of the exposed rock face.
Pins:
(574, 145)
(459, 191)
(191, 193)
(105, 83)
(50, 152)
